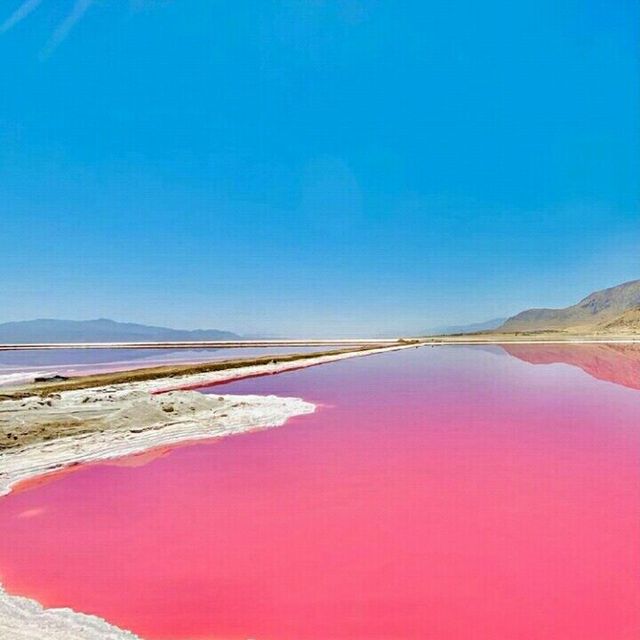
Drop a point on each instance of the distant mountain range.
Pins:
(101, 330)
(614, 310)
(448, 330)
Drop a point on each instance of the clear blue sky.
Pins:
(315, 166)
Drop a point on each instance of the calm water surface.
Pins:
(437, 493)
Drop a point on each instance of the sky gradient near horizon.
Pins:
(316, 167)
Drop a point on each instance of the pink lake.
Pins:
(436, 494)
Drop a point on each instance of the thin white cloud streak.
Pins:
(65, 27)
(19, 14)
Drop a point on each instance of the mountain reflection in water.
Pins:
(617, 363)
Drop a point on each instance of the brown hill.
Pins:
(607, 311)
(628, 322)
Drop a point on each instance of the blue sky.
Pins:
(319, 167)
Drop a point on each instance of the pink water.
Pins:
(449, 493)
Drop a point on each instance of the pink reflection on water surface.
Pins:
(447, 493)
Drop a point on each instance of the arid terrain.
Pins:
(615, 311)
(608, 314)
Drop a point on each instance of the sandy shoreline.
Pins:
(531, 338)
(99, 423)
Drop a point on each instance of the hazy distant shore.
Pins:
(488, 337)
(533, 337)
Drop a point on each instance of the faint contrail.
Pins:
(64, 28)
(19, 14)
